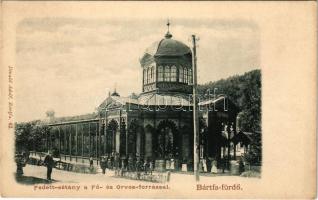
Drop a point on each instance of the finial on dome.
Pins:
(168, 34)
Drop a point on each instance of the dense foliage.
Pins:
(31, 136)
(245, 92)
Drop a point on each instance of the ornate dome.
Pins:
(167, 67)
(165, 47)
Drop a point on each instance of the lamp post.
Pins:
(196, 147)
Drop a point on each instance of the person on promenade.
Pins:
(151, 168)
(109, 163)
(19, 159)
(103, 164)
(172, 164)
(49, 162)
(241, 165)
(91, 162)
(146, 166)
(214, 169)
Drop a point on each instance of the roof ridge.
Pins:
(159, 46)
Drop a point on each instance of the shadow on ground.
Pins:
(30, 180)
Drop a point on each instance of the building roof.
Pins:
(115, 94)
(84, 117)
(124, 100)
(164, 99)
(168, 47)
(148, 100)
(117, 100)
(212, 101)
(165, 47)
(157, 99)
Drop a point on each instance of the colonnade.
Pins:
(75, 139)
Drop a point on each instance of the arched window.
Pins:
(160, 73)
(181, 74)
(185, 75)
(166, 141)
(167, 74)
(173, 74)
(148, 75)
(145, 76)
(152, 75)
(190, 77)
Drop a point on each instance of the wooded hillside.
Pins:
(244, 91)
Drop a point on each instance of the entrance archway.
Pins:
(111, 136)
(132, 138)
(166, 140)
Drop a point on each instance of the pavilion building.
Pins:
(156, 125)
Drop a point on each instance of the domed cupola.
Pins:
(167, 66)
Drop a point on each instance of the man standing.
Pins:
(49, 162)
(103, 164)
(91, 162)
(19, 159)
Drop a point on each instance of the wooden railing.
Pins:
(66, 158)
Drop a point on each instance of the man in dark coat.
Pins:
(241, 165)
(103, 164)
(91, 162)
(49, 162)
(19, 159)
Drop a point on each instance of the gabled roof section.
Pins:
(212, 101)
(76, 118)
(116, 101)
(221, 100)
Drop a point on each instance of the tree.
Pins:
(245, 92)
(31, 136)
(250, 120)
(22, 132)
(38, 135)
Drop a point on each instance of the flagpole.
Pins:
(195, 114)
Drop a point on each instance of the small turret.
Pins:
(115, 93)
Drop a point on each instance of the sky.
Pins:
(70, 64)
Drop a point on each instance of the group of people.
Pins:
(131, 163)
(212, 165)
(115, 162)
(21, 160)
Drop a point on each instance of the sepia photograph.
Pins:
(158, 99)
(138, 99)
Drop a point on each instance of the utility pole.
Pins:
(195, 113)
